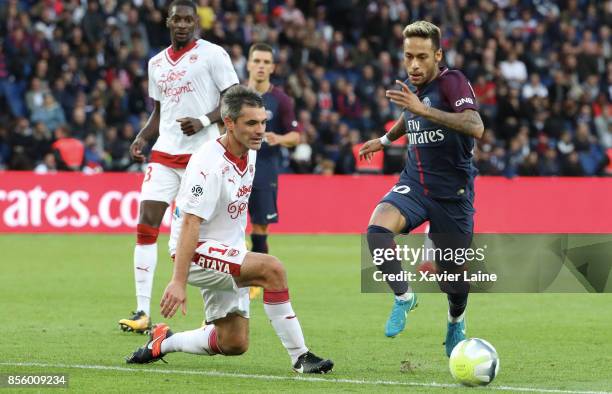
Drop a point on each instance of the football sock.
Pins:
(381, 238)
(145, 261)
(456, 305)
(260, 243)
(405, 297)
(455, 319)
(201, 341)
(285, 322)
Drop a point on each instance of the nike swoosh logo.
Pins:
(300, 369)
(146, 269)
(271, 216)
(153, 343)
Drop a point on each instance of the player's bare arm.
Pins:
(190, 126)
(149, 132)
(174, 295)
(369, 148)
(467, 122)
(288, 140)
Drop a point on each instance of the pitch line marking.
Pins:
(292, 378)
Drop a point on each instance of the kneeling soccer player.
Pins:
(210, 223)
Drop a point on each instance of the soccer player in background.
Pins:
(281, 130)
(186, 81)
(208, 236)
(441, 121)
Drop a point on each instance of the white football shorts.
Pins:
(213, 269)
(161, 183)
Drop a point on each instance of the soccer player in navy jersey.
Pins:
(281, 130)
(440, 119)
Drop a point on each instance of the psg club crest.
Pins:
(427, 102)
(193, 58)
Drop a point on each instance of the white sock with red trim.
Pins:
(145, 261)
(285, 322)
(201, 341)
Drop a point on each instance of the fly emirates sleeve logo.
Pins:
(172, 86)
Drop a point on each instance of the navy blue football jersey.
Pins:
(439, 162)
(281, 120)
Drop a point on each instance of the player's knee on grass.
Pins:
(234, 344)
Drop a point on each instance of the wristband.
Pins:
(384, 140)
(205, 121)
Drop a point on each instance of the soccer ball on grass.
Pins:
(474, 362)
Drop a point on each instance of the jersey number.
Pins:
(148, 174)
(212, 249)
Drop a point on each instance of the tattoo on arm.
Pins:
(467, 122)
(398, 129)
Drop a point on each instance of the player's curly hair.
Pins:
(235, 98)
(424, 29)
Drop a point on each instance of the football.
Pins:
(474, 362)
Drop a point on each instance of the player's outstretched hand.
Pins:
(136, 150)
(190, 126)
(406, 99)
(369, 148)
(272, 138)
(174, 296)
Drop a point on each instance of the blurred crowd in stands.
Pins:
(73, 77)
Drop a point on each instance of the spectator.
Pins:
(48, 165)
(534, 88)
(69, 152)
(513, 70)
(50, 113)
(542, 73)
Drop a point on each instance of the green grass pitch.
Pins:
(61, 297)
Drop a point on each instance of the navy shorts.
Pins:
(262, 206)
(445, 217)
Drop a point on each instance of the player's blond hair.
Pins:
(425, 30)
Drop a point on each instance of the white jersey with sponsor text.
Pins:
(216, 187)
(188, 83)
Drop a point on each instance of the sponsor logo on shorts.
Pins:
(214, 264)
(271, 216)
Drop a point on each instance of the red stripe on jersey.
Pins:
(420, 169)
(175, 56)
(172, 161)
(239, 163)
(276, 296)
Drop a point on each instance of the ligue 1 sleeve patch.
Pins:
(197, 191)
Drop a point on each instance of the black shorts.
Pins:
(262, 206)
